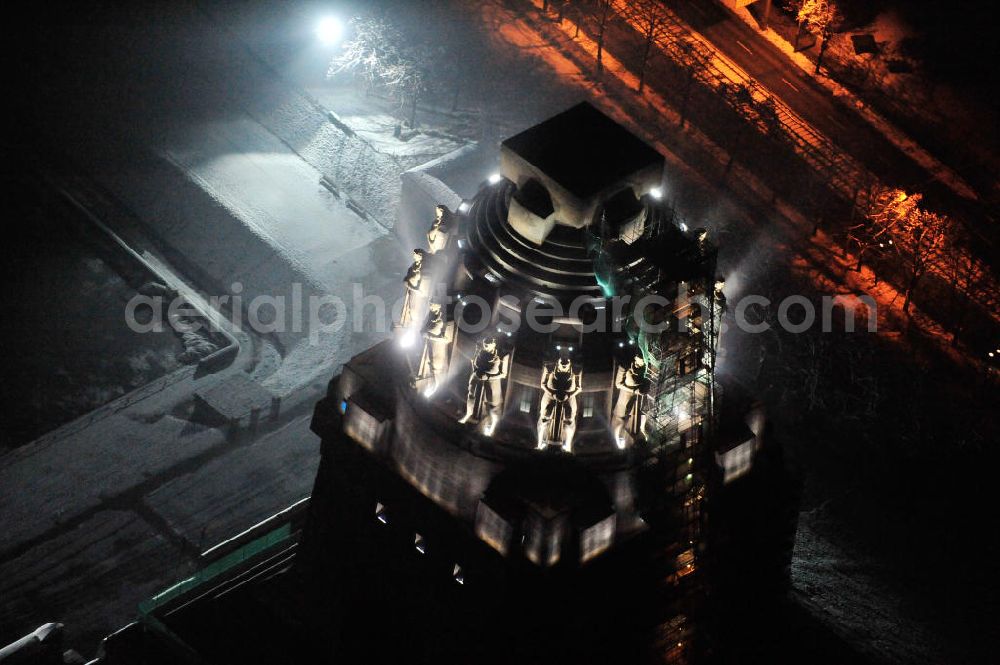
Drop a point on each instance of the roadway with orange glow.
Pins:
(816, 256)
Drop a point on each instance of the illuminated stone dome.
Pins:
(560, 312)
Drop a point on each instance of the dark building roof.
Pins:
(583, 150)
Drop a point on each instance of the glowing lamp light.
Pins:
(656, 193)
(464, 207)
(495, 178)
(684, 227)
(620, 440)
(408, 339)
(329, 30)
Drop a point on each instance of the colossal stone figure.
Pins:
(413, 281)
(434, 361)
(628, 416)
(557, 417)
(437, 235)
(485, 396)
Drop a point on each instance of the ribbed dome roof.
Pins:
(562, 266)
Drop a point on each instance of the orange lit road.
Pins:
(761, 60)
(773, 69)
(571, 55)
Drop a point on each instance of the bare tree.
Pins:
(650, 14)
(561, 10)
(383, 57)
(822, 20)
(795, 6)
(408, 80)
(814, 15)
(919, 240)
(964, 274)
(817, 15)
(883, 208)
(602, 16)
(916, 237)
(767, 14)
(691, 67)
(371, 52)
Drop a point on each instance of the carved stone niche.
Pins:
(531, 213)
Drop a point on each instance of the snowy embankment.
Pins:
(230, 204)
(367, 175)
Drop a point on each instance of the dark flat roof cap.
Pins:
(583, 150)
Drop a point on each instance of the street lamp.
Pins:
(329, 30)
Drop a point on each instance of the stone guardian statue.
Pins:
(437, 334)
(485, 397)
(628, 419)
(440, 231)
(413, 282)
(557, 417)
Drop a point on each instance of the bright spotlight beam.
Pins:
(329, 30)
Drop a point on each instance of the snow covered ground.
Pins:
(275, 193)
(277, 198)
(847, 589)
(371, 119)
